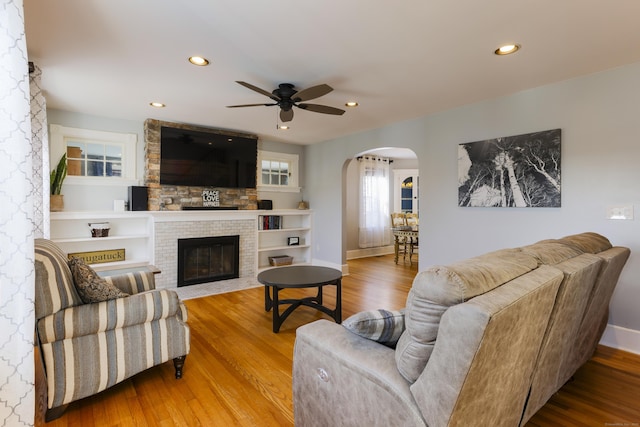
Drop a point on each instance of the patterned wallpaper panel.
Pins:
(39, 156)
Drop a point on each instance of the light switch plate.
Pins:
(620, 212)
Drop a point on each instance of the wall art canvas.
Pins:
(513, 171)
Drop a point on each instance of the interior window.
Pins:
(94, 156)
(94, 159)
(278, 171)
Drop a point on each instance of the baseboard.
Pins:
(367, 252)
(621, 338)
(344, 267)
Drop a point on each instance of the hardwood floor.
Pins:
(239, 372)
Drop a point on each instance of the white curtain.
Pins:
(17, 278)
(374, 224)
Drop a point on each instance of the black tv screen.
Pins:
(207, 159)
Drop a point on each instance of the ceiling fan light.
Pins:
(283, 127)
(507, 49)
(351, 104)
(199, 60)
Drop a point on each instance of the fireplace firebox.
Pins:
(208, 259)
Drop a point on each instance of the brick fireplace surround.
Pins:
(171, 226)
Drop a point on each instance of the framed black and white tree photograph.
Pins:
(513, 171)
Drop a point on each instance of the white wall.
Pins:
(598, 115)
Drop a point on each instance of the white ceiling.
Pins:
(399, 60)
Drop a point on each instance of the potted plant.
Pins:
(56, 178)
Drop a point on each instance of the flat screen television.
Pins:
(207, 159)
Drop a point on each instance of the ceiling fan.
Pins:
(286, 97)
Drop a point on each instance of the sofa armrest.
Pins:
(133, 283)
(340, 378)
(99, 317)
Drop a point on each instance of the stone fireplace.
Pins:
(208, 259)
(174, 198)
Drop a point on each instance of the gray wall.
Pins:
(83, 198)
(598, 115)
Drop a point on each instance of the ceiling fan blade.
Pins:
(251, 105)
(312, 92)
(286, 116)
(324, 109)
(257, 89)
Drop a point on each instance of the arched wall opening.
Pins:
(403, 159)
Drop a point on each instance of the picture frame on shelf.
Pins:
(293, 241)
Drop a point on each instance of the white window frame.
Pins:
(292, 159)
(59, 135)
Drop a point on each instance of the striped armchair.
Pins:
(87, 348)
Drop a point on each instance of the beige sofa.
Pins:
(485, 341)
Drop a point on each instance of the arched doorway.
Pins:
(403, 159)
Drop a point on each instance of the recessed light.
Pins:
(199, 60)
(507, 49)
(283, 127)
(351, 104)
(157, 104)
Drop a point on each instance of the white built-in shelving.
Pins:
(273, 239)
(131, 231)
(134, 232)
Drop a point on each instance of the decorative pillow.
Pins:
(90, 286)
(380, 325)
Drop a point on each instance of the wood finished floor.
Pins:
(239, 372)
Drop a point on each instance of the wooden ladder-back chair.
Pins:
(412, 221)
(400, 243)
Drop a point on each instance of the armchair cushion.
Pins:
(118, 313)
(382, 326)
(90, 286)
(134, 282)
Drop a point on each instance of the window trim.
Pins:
(292, 159)
(60, 134)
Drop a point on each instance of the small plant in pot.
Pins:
(56, 178)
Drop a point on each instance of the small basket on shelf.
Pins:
(279, 260)
(99, 229)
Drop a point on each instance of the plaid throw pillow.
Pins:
(90, 286)
(383, 326)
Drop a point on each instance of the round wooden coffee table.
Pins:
(300, 276)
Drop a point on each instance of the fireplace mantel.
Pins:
(204, 215)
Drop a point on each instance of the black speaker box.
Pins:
(138, 198)
(265, 204)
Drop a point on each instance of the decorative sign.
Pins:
(293, 241)
(210, 198)
(98, 257)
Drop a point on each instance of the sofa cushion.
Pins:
(440, 287)
(551, 252)
(589, 242)
(383, 326)
(90, 286)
